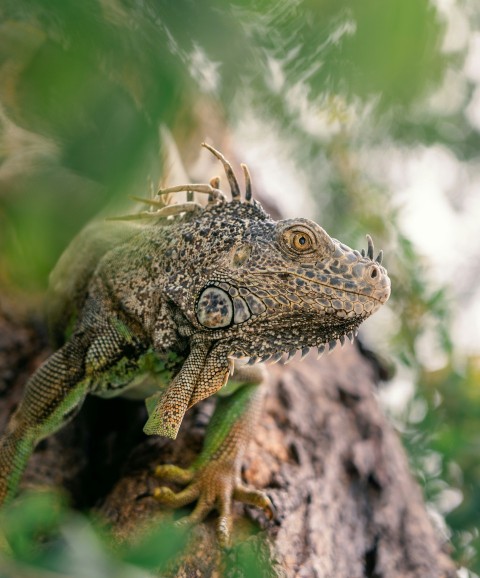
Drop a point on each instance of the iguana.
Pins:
(167, 302)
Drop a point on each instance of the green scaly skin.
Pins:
(161, 303)
(214, 478)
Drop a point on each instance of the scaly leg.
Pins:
(214, 478)
(203, 373)
(55, 393)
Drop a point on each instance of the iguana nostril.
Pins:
(373, 272)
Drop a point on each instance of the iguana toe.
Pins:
(257, 498)
(172, 473)
(214, 486)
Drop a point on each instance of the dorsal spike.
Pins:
(248, 183)
(134, 217)
(151, 202)
(379, 258)
(167, 211)
(196, 188)
(232, 180)
(215, 183)
(370, 247)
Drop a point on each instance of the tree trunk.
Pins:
(347, 505)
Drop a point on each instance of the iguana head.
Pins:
(286, 286)
(268, 287)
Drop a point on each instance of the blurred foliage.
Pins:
(452, 434)
(41, 537)
(85, 87)
(45, 538)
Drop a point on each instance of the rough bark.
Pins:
(332, 464)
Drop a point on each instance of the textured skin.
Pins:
(161, 303)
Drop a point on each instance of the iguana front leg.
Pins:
(53, 393)
(56, 392)
(203, 373)
(214, 479)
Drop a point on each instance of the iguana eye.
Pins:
(303, 238)
(298, 240)
(301, 241)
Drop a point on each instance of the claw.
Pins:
(255, 498)
(331, 345)
(321, 351)
(224, 530)
(351, 336)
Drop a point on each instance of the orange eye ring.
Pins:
(304, 240)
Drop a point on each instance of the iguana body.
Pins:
(163, 308)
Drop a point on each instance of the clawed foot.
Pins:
(213, 486)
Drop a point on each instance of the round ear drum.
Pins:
(214, 308)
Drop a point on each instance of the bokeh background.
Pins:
(362, 115)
